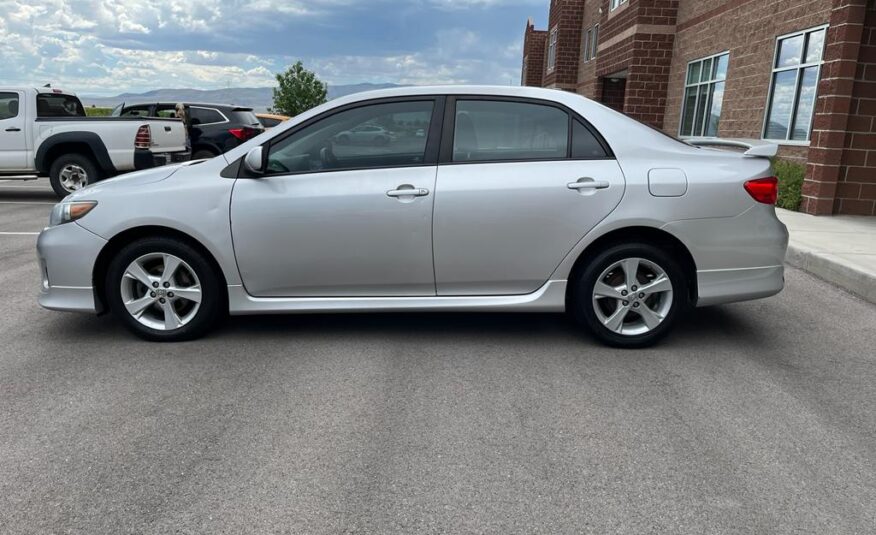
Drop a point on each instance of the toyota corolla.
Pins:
(483, 199)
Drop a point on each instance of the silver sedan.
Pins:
(484, 199)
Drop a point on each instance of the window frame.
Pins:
(594, 41)
(430, 158)
(697, 85)
(616, 4)
(17, 99)
(553, 45)
(449, 131)
(799, 68)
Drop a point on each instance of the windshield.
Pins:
(55, 105)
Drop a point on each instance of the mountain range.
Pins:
(259, 98)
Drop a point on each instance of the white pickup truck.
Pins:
(44, 131)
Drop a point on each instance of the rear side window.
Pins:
(8, 105)
(269, 122)
(487, 131)
(205, 116)
(54, 105)
(244, 117)
(585, 146)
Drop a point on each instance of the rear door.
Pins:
(520, 182)
(13, 138)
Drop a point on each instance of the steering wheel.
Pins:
(327, 156)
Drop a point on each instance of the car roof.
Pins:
(224, 107)
(479, 90)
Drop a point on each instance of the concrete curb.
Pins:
(834, 270)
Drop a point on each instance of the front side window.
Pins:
(8, 105)
(378, 135)
(704, 96)
(55, 105)
(552, 50)
(794, 85)
(489, 131)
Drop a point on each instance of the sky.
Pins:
(104, 47)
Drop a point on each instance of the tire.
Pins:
(71, 172)
(203, 154)
(648, 315)
(191, 318)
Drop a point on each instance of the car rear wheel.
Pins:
(630, 295)
(71, 172)
(164, 290)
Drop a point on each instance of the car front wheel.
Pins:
(163, 289)
(630, 295)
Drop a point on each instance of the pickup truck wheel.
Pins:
(71, 172)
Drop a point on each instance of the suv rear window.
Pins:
(205, 115)
(54, 105)
(244, 117)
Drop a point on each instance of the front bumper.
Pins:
(67, 254)
(146, 159)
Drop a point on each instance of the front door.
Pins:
(13, 139)
(525, 183)
(333, 218)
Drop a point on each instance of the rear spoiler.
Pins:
(755, 147)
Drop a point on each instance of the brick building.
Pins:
(801, 73)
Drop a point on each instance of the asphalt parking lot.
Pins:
(753, 418)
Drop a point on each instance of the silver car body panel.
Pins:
(737, 244)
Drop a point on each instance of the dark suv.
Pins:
(214, 128)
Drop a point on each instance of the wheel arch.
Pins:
(643, 234)
(117, 242)
(88, 144)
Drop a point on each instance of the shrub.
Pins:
(790, 183)
(98, 112)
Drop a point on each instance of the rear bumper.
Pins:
(67, 254)
(732, 285)
(146, 159)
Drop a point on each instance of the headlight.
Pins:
(70, 211)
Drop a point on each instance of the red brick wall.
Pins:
(534, 48)
(567, 16)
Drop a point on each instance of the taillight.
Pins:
(765, 190)
(143, 139)
(244, 134)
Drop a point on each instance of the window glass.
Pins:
(8, 105)
(269, 122)
(594, 42)
(552, 50)
(136, 112)
(496, 131)
(584, 144)
(204, 116)
(55, 105)
(794, 86)
(380, 135)
(704, 96)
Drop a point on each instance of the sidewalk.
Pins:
(838, 249)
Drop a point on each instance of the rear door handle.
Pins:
(13, 129)
(407, 191)
(588, 183)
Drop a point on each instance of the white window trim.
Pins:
(617, 3)
(697, 85)
(594, 43)
(588, 35)
(799, 68)
(553, 41)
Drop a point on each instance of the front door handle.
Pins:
(13, 129)
(588, 183)
(406, 190)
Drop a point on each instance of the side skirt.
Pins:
(551, 297)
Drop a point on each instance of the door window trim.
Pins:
(433, 137)
(446, 154)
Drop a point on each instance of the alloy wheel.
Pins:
(161, 291)
(632, 296)
(73, 177)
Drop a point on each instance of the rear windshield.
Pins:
(54, 105)
(245, 117)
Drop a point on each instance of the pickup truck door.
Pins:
(13, 139)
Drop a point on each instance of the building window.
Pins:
(704, 96)
(794, 85)
(594, 41)
(552, 50)
(588, 35)
(617, 3)
(525, 69)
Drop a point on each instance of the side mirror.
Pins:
(254, 162)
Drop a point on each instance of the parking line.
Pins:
(26, 202)
(19, 233)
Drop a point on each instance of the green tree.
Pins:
(298, 90)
